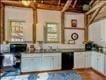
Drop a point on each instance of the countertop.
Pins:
(66, 50)
(61, 50)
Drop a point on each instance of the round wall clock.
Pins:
(74, 36)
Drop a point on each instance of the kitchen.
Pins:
(54, 40)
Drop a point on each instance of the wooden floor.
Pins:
(89, 74)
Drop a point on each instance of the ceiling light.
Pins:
(26, 2)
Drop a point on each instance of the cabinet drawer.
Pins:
(31, 55)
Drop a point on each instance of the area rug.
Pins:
(58, 75)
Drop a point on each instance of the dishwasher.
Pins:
(67, 60)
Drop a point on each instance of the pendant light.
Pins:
(26, 2)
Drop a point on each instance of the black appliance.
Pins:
(1, 60)
(17, 48)
(67, 60)
(89, 46)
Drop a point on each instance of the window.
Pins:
(16, 31)
(51, 32)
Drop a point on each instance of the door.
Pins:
(57, 61)
(67, 60)
(101, 62)
(36, 63)
(88, 59)
(79, 60)
(29, 64)
(94, 59)
(47, 62)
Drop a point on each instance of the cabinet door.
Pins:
(94, 58)
(29, 64)
(79, 60)
(105, 64)
(36, 62)
(47, 62)
(57, 62)
(26, 65)
(88, 59)
(101, 62)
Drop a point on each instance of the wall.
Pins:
(97, 32)
(45, 16)
(20, 14)
(80, 24)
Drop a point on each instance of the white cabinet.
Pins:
(47, 63)
(105, 64)
(88, 59)
(101, 63)
(40, 62)
(79, 60)
(94, 58)
(57, 61)
(30, 62)
(82, 59)
(97, 61)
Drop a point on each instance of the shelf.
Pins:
(74, 28)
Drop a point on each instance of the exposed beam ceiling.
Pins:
(68, 3)
(75, 2)
(61, 5)
(96, 7)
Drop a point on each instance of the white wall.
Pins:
(20, 14)
(78, 16)
(97, 32)
(45, 16)
(80, 24)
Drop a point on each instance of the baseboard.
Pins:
(90, 68)
(81, 68)
(104, 75)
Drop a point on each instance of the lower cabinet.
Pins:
(30, 62)
(82, 59)
(40, 62)
(79, 60)
(97, 62)
(88, 59)
(105, 64)
(93, 59)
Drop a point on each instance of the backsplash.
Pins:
(5, 48)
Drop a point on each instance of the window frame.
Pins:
(10, 29)
(46, 33)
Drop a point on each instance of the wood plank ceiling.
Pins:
(75, 6)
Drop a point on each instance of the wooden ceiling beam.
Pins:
(68, 3)
(75, 2)
(59, 2)
(96, 7)
(40, 6)
(14, 3)
(91, 2)
(94, 15)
